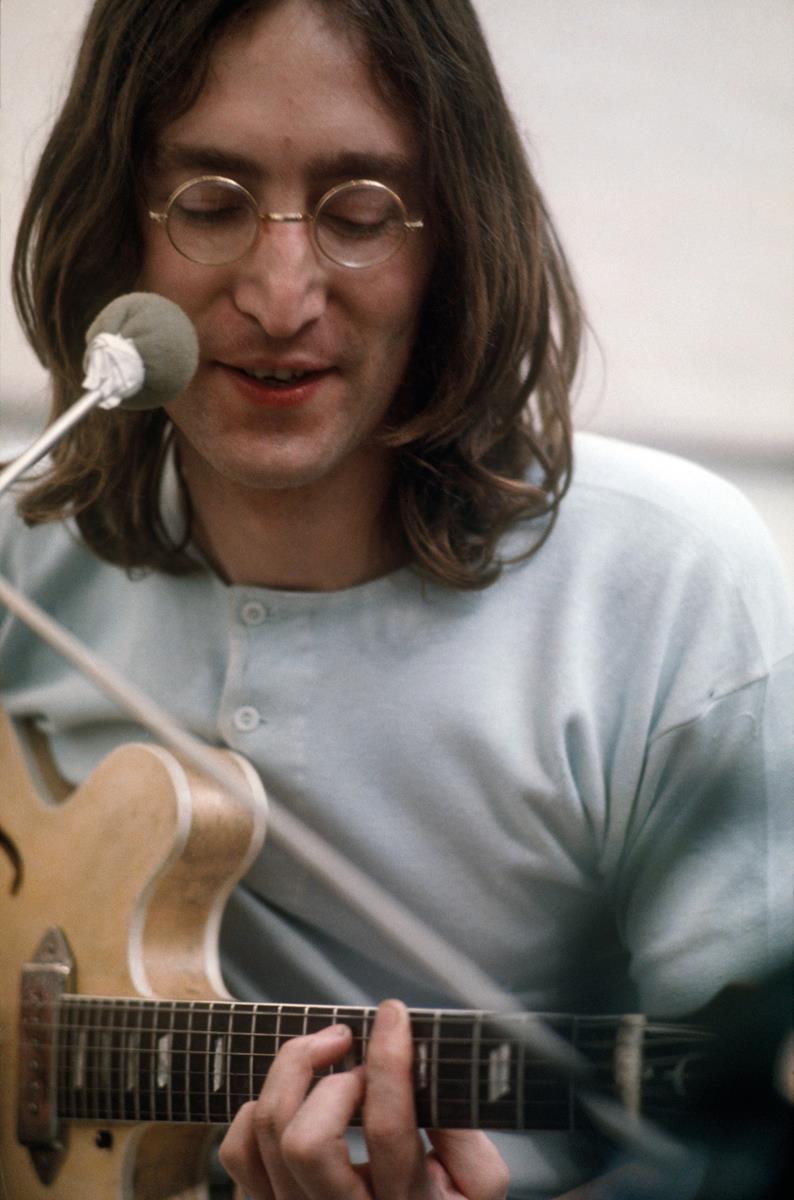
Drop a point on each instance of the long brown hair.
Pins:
(487, 439)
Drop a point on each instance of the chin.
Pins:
(273, 476)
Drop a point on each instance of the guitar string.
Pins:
(147, 1060)
(97, 1051)
(487, 1042)
(341, 1014)
(74, 1002)
(70, 1012)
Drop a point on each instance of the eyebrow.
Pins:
(349, 164)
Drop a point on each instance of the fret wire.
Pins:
(111, 1040)
(61, 1057)
(139, 1059)
(278, 1028)
(333, 1022)
(122, 1048)
(90, 1087)
(520, 1069)
(95, 1058)
(434, 1070)
(366, 1021)
(188, 1052)
(132, 1046)
(475, 1072)
(571, 1090)
(81, 1066)
(228, 1066)
(104, 1067)
(66, 1036)
(208, 1060)
(152, 1072)
(132, 1055)
(251, 1055)
(169, 1100)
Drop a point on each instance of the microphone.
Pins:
(145, 344)
(142, 352)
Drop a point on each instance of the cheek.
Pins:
(166, 272)
(394, 305)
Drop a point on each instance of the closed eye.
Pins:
(229, 215)
(347, 228)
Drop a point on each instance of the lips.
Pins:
(276, 386)
(275, 374)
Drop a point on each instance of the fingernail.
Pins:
(333, 1033)
(389, 1015)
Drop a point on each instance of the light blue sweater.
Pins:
(581, 775)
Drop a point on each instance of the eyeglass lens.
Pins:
(214, 222)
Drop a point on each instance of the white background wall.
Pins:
(661, 130)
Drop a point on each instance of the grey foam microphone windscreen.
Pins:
(165, 338)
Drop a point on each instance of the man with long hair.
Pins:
(534, 696)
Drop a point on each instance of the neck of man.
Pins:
(324, 536)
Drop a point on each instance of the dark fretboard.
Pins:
(140, 1060)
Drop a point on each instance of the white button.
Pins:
(246, 718)
(253, 612)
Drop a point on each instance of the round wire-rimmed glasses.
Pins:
(215, 221)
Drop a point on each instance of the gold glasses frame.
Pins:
(408, 226)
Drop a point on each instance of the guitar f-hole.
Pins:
(15, 858)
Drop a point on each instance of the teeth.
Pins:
(280, 374)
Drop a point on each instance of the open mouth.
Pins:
(278, 377)
(280, 386)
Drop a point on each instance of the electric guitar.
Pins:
(121, 1053)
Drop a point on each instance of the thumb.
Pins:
(472, 1162)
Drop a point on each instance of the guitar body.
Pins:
(134, 868)
(121, 885)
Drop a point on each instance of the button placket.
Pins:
(251, 612)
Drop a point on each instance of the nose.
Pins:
(280, 281)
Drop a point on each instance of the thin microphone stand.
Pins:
(49, 438)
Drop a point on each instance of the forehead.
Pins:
(290, 94)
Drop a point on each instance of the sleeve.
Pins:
(705, 886)
(704, 868)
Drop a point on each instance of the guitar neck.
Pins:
(142, 1060)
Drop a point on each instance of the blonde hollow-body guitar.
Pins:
(121, 1053)
(125, 879)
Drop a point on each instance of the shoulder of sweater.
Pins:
(653, 499)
